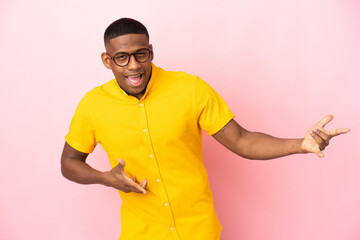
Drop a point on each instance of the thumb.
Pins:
(121, 163)
(318, 152)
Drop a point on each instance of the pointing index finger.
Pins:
(338, 131)
(135, 187)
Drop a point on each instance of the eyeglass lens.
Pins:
(122, 59)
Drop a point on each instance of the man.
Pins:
(152, 120)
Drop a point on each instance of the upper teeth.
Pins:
(134, 76)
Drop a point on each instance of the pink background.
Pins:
(281, 65)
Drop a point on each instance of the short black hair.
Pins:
(124, 26)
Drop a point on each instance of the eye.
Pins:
(121, 57)
(141, 53)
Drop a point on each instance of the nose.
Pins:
(133, 64)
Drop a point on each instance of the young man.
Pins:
(153, 119)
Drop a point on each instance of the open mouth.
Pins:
(134, 80)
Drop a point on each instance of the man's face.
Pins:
(133, 77)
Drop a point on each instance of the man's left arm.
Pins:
(256, 145)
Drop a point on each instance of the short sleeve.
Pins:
(81, 135)
(212, 111)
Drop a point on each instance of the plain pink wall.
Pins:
(281, 66)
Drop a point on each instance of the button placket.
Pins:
(154, 166)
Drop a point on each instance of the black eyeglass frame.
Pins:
(129, 54)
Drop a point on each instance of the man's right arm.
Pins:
(75, 168)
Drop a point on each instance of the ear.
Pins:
(106, 60)
(152, 52)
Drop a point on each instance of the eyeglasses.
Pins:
(123, 58)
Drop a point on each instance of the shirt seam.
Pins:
(220, 124)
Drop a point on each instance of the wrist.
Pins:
(101, 178)
(297, 146)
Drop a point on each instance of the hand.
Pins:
(117, 178)
(317, 138)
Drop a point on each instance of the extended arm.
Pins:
(75, 168)
(255, 145)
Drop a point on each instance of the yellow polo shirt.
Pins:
(159, 138)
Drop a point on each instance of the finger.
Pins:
(134, 179)
(318, 140)
(317, 151)
(324, 136)
(338, 131)
(143, 183)
(121, 163)
(139, 189)
(136, 188)
(133, 187)
(325, 121)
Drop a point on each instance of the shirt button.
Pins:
(140, 104)
(165, 204)
(158, 180)
(171, 229)
(150, 155)
(144, 130)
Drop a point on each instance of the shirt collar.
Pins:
(154, 71)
